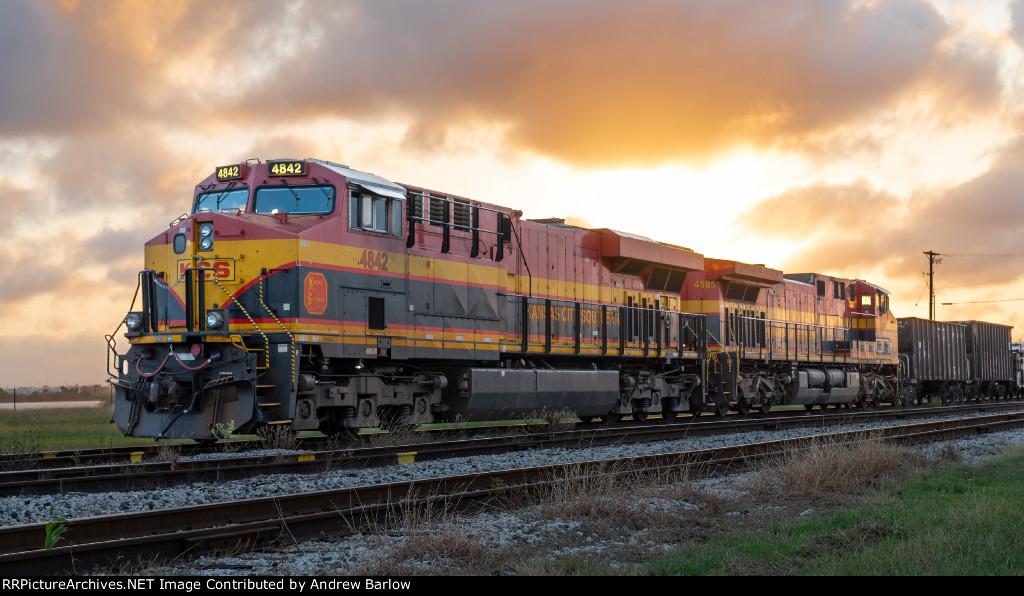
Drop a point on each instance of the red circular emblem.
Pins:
(315, 293)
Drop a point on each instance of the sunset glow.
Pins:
(844, 137)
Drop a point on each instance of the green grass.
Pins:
(967, 521)
(62, 428)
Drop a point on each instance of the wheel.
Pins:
(639, 416)
(721, 408)
(809, 407)
(668, 410)
(743, 407)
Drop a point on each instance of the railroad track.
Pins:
(148, 453)
(116, 542)
(149, 475)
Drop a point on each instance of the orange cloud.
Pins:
(603, 82)
(858, 230)
(591, 82)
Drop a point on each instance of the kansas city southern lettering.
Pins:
(588, 316)
(315, 293)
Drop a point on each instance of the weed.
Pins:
(223, 430)
(23, 449)
(276, 437)
(832, 470)
(54, 528)
(557, 420)
(951, 452)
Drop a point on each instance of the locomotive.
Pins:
(306, 294)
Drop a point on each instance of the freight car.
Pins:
(306, 294)
(957, 361)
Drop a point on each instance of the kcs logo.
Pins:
(222, 269)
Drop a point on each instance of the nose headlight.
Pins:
(133, 321)
(206, 230)
(214, 319)
(206, 244)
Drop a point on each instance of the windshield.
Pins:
(219, 200)
(294, 199)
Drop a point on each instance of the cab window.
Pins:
(221, 200)
(299, 200)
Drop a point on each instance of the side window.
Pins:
(370, 212)
(821, 288)
(396, 218)
(353, 210)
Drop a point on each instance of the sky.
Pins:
(844, 137)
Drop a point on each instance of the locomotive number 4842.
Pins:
(374, 260)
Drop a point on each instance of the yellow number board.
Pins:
(229, 172)
(287, 168)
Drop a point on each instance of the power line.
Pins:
(992, 256)
(982, 301)
(921, 294)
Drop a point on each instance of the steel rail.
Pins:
(111, 542)
(147, 453)
(143, 476)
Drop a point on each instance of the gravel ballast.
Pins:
(492, 530)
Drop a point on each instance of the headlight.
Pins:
(133, 321)
(206, 230)
(206, 244)
(214, 320)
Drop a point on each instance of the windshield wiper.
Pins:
(291, 190)
(224, 193)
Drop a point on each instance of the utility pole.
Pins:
(932, 261)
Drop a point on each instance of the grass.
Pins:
(65, 428)
(833, 509)
(953, 520)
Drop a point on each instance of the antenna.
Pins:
(932, 261)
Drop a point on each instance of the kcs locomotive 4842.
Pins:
(307, 294)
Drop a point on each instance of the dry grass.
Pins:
(557, 420)
(951, 452)
(275, 437)
(400, 434)
(831, 471)
(428, 540)
(168, 452)
(22, 449)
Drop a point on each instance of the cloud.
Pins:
(1017, 15)
(862, 231)
(589, 82)
(130, 167)
(77, 358)
(601, 82)
(15, 200)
